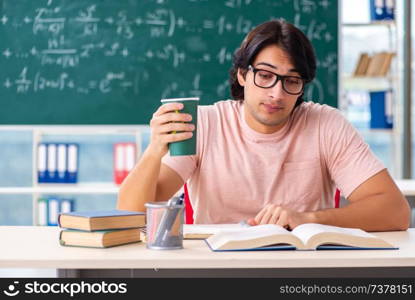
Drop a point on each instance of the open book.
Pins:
(304, 237)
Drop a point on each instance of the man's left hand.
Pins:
(275, 214)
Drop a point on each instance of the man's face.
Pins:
(268, 109)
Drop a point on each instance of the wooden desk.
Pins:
(38, 247)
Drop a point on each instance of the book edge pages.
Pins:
(343, 239)
(248, 238)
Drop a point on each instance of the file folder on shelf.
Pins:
(124, 160)
(62, 163)
(130, 153)
(50, 207)
(119, 158)
(66, 205)
(381, 10)
(42, 175)
(42, 215)
(73, 150)
(52, 173)
(53, 211)
(57, 163)
(381, 110)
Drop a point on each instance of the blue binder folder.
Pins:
(381, 10)
(52, 171)
(67, 205)
(42, 175)
(53, 211)
(381, 116)
(72, 175)
(62, 163)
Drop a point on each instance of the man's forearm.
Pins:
(376, 213)
(140, 185)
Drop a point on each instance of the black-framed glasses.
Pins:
(292, 85)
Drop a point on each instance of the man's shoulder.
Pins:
(318, 112)
(314, 107)
(221, 105)
(327, 118)
(220, 108)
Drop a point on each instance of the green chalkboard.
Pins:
(110, 62)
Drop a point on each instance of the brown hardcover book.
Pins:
(362, 65)
(376, 64)
(386, 64)
(99, 239)
(102, 220)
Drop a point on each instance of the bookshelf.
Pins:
(41, 133)
(375, 38)
(369, 82)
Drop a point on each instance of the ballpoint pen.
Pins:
(244, 223)
(167, 221)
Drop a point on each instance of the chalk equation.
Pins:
(158, 47)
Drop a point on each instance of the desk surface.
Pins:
(38, 247)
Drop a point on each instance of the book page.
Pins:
(253, 237)
(307, 231)
(253, 232)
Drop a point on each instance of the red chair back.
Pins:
(187, 207)
(337, 199)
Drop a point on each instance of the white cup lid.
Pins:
(180, 99)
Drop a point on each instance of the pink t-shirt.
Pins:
(237, 171)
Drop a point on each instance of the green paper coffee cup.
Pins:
(186, 147)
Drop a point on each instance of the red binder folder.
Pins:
(124, 160)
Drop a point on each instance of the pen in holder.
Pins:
(165, 224)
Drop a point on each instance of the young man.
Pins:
(267, 157)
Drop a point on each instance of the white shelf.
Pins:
(90, 188)
(376, 131)
(373, 23)
(364, 83)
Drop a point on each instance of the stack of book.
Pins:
(100, 229)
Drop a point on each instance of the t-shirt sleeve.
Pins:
(183, 165)
(187, 164)
(349, 159)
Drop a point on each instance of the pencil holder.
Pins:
(164, 226)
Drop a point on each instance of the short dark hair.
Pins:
(275, 32)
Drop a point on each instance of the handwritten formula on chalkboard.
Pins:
(110, 62)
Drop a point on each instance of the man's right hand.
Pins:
(165, 121)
